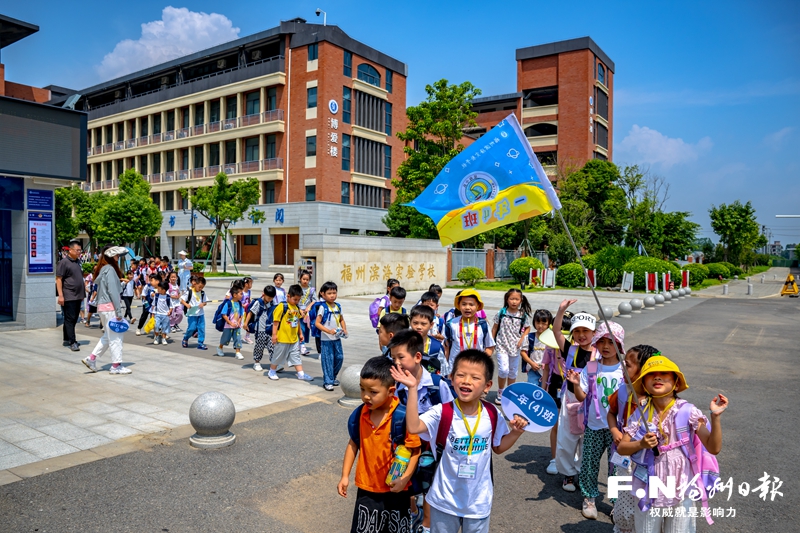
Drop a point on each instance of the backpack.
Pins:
(190, 295)
(219, 321)
(432, 393)
(271, 320)
(326, 315)
(446, 421)
(521, 319)
(375, 309)
(430, 357)
(450, 339)
(263, 306)
(704, 465)
(591, 396)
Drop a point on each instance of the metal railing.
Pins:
(130, 143)
(272, 164)
(154, 178)
(183, 133)
(249, 166)
(462, 258)
(212, 127)
(119, 145)
(249, 120)
(155, 138)
(143, 141)
(169, 136)
(198, 173)
(183, 174)
(275, 114)
(107, 148)
(199, 129)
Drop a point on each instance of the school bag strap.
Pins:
(504, 314)
(704, 465)
(591, 396)
(446, 420)
(397, 431)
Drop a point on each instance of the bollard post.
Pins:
(762, 278)
(724, 290)
(749, 289)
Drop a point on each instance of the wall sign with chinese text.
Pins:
(40, 242)
(40, 200)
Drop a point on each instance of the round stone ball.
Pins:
(681, 292)
(212, 414)
(674, 294)
(659, 299)
(667, 296)
(688, 291)
(350, 381)
(649, 302)
(607, 312)
(624, 308)
(636, 305)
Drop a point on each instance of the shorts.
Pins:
(284, 354)
(555, 388)
(162, 323)
(381, 512)
(92, 308)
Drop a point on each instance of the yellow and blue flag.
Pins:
(495, 181)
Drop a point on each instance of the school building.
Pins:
(564, 101)
(304, 108)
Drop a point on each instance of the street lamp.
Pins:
(192, 222)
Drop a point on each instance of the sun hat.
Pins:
(616, 333)
(659, 363)
(583, 320)
(548, 339)
(115, 250)
(182, 252)
(469, 292)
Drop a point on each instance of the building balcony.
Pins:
(543, 140)
(539, 111)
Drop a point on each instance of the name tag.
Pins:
(467, 471)
(621, 460)
(640, 472)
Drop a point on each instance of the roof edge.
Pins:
(569, 45)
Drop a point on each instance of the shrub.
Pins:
(570, 275)
(697, 273)
(609, 263)
(716, 270)
(520, 268)
(641, 264)
(733, 269)
(470, 275)
(87, 267)
(198, 267)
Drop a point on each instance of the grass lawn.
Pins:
(708, 283)
(498, 286)
(757, 270)
(221, 275)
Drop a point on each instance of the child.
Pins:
(380, 303)
(576, 354)
(533, 348)
(437, 327)
(659, 382)
(91, 299)
(165, 267)
(161, 311)
(422, 318)
(388, 327)
(260, 314)
(397, 297)
(466, 332)
(406, 351)
(175, 302)
(595, 383)
(331, 325)
(620, 409)
(511, 326)
(286, 335)
(372, 436)
(247, 285)
(147, 301)
(280, 292)
(128, 291)
(306, 300)
(462, 431)
(195, 300)
(233, 323)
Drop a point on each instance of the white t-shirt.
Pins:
(194, 298)
(609, 379)
(334, 320)
(161, 304)
(424, 403)
(466, 498)
(537, 353)
(473, 338)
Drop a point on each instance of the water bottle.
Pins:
(399, 464)
(340, 333)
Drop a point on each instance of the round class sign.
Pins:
(531, 403)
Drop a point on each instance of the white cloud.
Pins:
(645, 145)
(178, 33)
(775, 139)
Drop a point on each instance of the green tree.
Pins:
(433, 138)
(86, 205)
(737, 228)
(225, 203)
(66, 225)
(130, 215)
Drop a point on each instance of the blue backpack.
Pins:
(219, 321)
(313, 313)
(262, 307)
(433, 393)
(397, 431)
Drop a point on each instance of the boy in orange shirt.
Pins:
(384, 506)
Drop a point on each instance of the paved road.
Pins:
(281, 474)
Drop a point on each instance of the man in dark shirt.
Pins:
(71, 291)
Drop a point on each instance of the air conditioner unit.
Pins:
(221, 63)
(255, 55)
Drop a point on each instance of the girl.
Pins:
(620, 408)
(659, 382)
(128, 292)
(174, 292)
(533, 348)
(306, 300)
(511, 326)
(247, 283)
(91, 299)
(280, 292)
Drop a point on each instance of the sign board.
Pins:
(40, 200)
(550, 278)
(40, 242)
(627, 282)
(531, 403)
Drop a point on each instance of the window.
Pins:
(213, 111)
(387, 162)
(601, 73)
(272, 99)
(311, 193)
(311, 97)
(368, 157)
(369, 111)
(145, 126)
(271, 147)
(170, 120)
(369, 74)
(369, 196)
(547, 158)
(251, 240)
(540, 97)
(269, 192)
(348, 64)
(184, 202)
(185, 117)
(230, 152)
(601, 135)
(230, 107)
(598, 155)
(388, 121)
(313, 52)
(389, 75)
(157, 163)
(538, 130)
(143, 165)
(198, 157)
(169, 200)
(170, 161)
(346, 105)
(311, 145)
(185, 159)
(387, 198)
(345, 152)
(157, 123)
(156, 197)
(133, 129)
(601, 102)
(346, 192)
(199, 111)
(251, 149)
(252, 103)
(213, 154)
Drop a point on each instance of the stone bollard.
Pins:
(606, 312)
(774, 277)
(212, 415)
(762, 278)
(725, 290)
(636, 305)
(350, 381)
(649, 303)
(667, 297)
(659, 298)
(688, 291)
(749, 289)
(681, 294)
(674, 294)
(624, 309)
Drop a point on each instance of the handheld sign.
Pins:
(118, 326)
(531, 403)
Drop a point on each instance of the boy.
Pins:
(576, 354)
(467, 331)
(233, 323)
(147, 301)
(194, 300)
(381, 302)
(437, 328)
(388, 327)
(462, 431)
(261, 310)
(161, 311)
(331, 326)
(372, 424)
(286, 335)
(397, 297)
(422, 318)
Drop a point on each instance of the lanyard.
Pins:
(428, 345)
(462, 339)
(336, 316)
(470, 432)
(661, 417)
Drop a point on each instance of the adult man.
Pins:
(69, 285)
(184, 270)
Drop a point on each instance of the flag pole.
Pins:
(620, 356)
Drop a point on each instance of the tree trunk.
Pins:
(215, 252)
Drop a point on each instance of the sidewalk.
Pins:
(771, 288)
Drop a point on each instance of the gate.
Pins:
(467, 257)
(502, 259)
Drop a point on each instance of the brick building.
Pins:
(564, 101)
(307, 110)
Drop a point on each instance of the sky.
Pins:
(707, 94)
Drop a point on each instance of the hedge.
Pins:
(697, 273)
(521, 268)
(733, 269)
(87, 267)
(470, 275)
(609, 263)
(641, 264)
(716, 270)
(570, 275)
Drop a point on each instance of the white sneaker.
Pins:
(552, 469)
(138, 332)
(589, 510)
(257, 367)
(239, 355)
(91, 364)
(304, 377)
(120, 370)
(220, 353)
(273, 376)
(156, 340)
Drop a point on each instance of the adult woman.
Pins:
(107, 278)
(184, 270)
